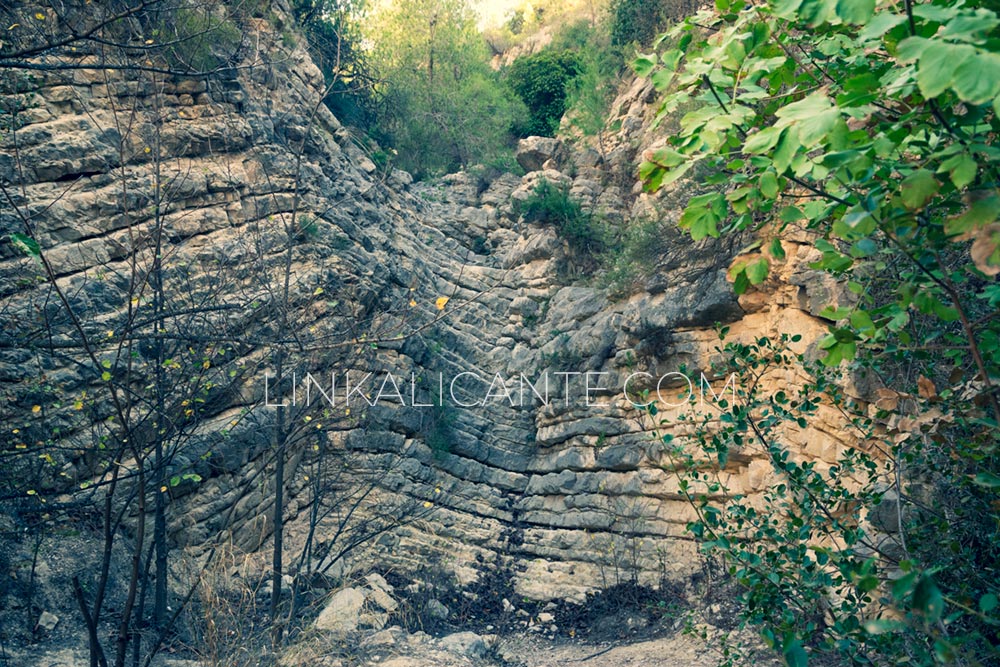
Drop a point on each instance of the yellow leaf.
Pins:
(36, 409)
(78, 405)
(441, 302)
(163, 489)
(412, 303)
(149, 41)
(206, 364)
(40, 16)
(111, 334)
(147, 149)
(317, 291)
(427, 503)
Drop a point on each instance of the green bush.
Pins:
(334, 38)
(886, 551)
(585, 233)
(207, 40)
(443, 105)
(636, 21)
(643, 244)
(541, 80)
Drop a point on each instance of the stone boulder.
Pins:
(361, 608)
(533, 152)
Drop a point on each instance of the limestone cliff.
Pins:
(572, 496)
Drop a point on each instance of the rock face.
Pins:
(553, 475)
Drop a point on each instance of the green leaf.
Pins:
(26, 245)
(987, 479)
(106, 376)
(857, 12)
(938, 65)
(918, 188)
(911, 48)
(977, 79)
(768, 184)
(962, 169)
(879, 25)
(702, 215)
(763, 141)
(757, 271)
(795, 655)
(777, 251)
(982, 212)
(988, 603)
(970, 26)
(786, 9)
(927, 598)
(862, 321)
(854, 225)
(644, 64)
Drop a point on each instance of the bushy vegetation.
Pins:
(586, 233)
(541, 81)
(600, 66)
(882, 144)
(335, 42)
(443, 106)
(642, 243)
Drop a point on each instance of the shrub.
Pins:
(207, 41)
(642, 245)
(635, 21)
(540, 81)
(584, 232)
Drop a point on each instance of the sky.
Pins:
(492, 12)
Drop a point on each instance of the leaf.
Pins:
(768, 184)
(977, 79)
(776, 249)
(926, 388)
(982, 212)
(862, 321)
(879, 25)
(988, 602)
(927, 598)
(763, 141)
(985, 250)
(857, 12)
(702, 215)
(987, 479)
(757, 271)
(795, 655)
(938, 65)
(441, 302)
(106, 376)
(644, 64)
(962, 169)
(911, 48)
(26, 245)
(918, 188)
(815, 115)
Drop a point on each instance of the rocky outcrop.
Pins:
(562, 481)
